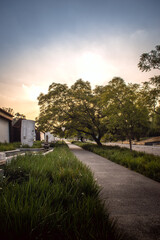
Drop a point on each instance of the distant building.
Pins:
(39, 136)
(48, 137)
(16, 130)
(24, 131)
(5, 126)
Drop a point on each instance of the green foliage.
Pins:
(150, 60)
(52, 197)
(146, 164)
(151, 94)
(77, 108)
(37, 144)
(117, 108)
(151, 89)
(14, 145)
(9, 146)
(127, 115)
(155, 124)
(25, 146)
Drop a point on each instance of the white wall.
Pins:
(41, 136)
(27, 132)
(51, 138)
(4, 130)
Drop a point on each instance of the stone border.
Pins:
(45, 153)
(30, 149)
(4, 159)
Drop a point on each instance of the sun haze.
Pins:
(61, 41)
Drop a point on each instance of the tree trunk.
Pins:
(97, 140)
(82, 139)
(130, 144)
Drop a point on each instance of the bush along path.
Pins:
(52, 197)
(131, 198)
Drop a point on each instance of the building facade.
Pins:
(24, 132)
(5, 126)
(48, 137)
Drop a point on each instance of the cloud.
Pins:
(97, 61)
(139, 34)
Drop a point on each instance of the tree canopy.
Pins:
(150, 60)
(119, 109)
(127, 113)
(77, 108)
(116, 108)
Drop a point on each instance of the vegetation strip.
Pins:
(9, 146)
(146, 164)
(15, 145)
(52, 197)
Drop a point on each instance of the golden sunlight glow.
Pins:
(32, 91)
(93, 68)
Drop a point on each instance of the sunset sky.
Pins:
(45, 41)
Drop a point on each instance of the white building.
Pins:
(48, 137)
(41, 136)
(27, 132)
(5, 126)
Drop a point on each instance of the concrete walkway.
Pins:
(134, 200)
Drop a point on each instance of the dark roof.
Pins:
(5, 114)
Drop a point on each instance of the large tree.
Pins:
(127, 114)
(77, 108)
(116, 108)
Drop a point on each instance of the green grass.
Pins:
(9, 146)
(146, 164)
(52, 197)
(13, 146)
(36, 144)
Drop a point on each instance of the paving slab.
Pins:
(133, 199)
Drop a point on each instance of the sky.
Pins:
(45, 41)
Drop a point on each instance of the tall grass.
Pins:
(52, 197)
(9, 146)
(146, 164)
(36, 144)
(12, 146)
